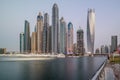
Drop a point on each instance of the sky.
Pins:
(13, 13)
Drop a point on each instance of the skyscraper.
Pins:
(90, 30)
(75, 48)
(80, 41)
(55, 29)
(39, 32)
(113, 43)
(102, 49)
(62, 35)
(109, 49)
(49, 40)
(45, 32)
(70, 38)
(34, 42)
(97, 51)
(21, 42)
(106, 49)
(27, 45)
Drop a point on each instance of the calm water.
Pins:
(82, 68)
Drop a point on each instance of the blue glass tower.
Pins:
(27, 44)
(21, 42)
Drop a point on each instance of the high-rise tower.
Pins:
(55, 29)
(80, 41)
(49, 37)
(33, 42)
(27, 45)
(90, 30)
(70, 38)
(39, 32)
(113, 43)
(62, 35)
(21, 42)
(45, 32)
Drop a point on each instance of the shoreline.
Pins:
(28, 57)
(24, 59)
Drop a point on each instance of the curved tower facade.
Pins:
(90, 30)
(55, 28)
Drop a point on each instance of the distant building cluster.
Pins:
(58, 37)
(109, 48)
(2, 50)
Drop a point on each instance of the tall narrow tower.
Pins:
(80, 41)
(114, 43)
(55, 29)
(62, 35)
(39, 32)
(27, 45)
(21, 42)
(70, 38)
(45, 33)
(33, 42)
(90, 30)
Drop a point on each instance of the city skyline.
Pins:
(101, 28)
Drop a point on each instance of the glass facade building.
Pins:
(113, 43)
(62, 35)
(90, 30)
(55, 29)
(45, 29)
(80, 42)
(70, 38)
(27, 42)
(21, 42)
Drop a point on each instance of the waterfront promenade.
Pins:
(112, 70)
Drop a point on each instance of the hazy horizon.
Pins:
(14, 13)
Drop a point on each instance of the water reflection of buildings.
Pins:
(72, 69)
